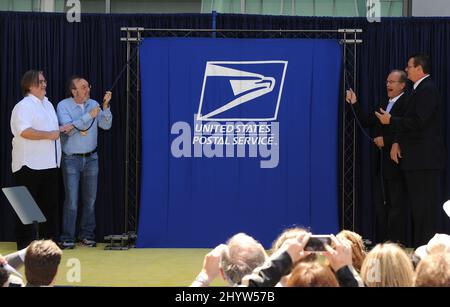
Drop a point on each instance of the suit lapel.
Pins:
(398, 104)
(411, 97)
(421, 84)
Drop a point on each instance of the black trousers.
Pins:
(43, 186)
(390, 210)
(423, 188)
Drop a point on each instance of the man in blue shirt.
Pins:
(79, 116)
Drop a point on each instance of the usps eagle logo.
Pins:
(241, 91)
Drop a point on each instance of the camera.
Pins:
(316, 243)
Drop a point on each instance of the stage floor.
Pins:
(135, 267)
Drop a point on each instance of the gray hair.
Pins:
(243, 255)
(403, 77)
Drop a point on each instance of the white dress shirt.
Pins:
(33, 113)
(392, 102)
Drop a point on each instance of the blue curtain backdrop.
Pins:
(93, 48)
(184, 196)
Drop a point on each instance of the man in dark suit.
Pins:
(420, 147)
(388, 182)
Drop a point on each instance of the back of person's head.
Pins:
(290, 233)
(4, 276)
(438, 243)
(312, 274)
(358, 248)
(41, 262)
(387, 265)
(434, 271)
(242, 256)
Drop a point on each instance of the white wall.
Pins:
(431, 7)
(47, 5)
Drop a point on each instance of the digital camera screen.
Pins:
(317, 243)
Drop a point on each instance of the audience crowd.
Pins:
(242, 261)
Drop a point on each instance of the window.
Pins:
(134, 6)
(152, 6)
(19, 5)
(336, 8)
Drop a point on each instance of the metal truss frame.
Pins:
(349, 39)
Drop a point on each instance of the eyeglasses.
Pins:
(43, 81)
(391, 81)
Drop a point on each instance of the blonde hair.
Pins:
(290, 233)
(358, 248)
(434, 271)
(387, 265)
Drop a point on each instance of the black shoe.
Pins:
(66, 245)
(88, 243)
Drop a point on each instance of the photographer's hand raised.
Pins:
(211, 266)
(341, 255)
(295, 246)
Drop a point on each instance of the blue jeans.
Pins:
(79, 172)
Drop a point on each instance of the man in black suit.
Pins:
(420, 147)
(388, 182)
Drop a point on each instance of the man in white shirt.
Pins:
(36, 154)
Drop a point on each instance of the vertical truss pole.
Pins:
(138, 135)
(127, 133)
(355, 83)
(344, 108)
(348, 171)
(133, 128)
